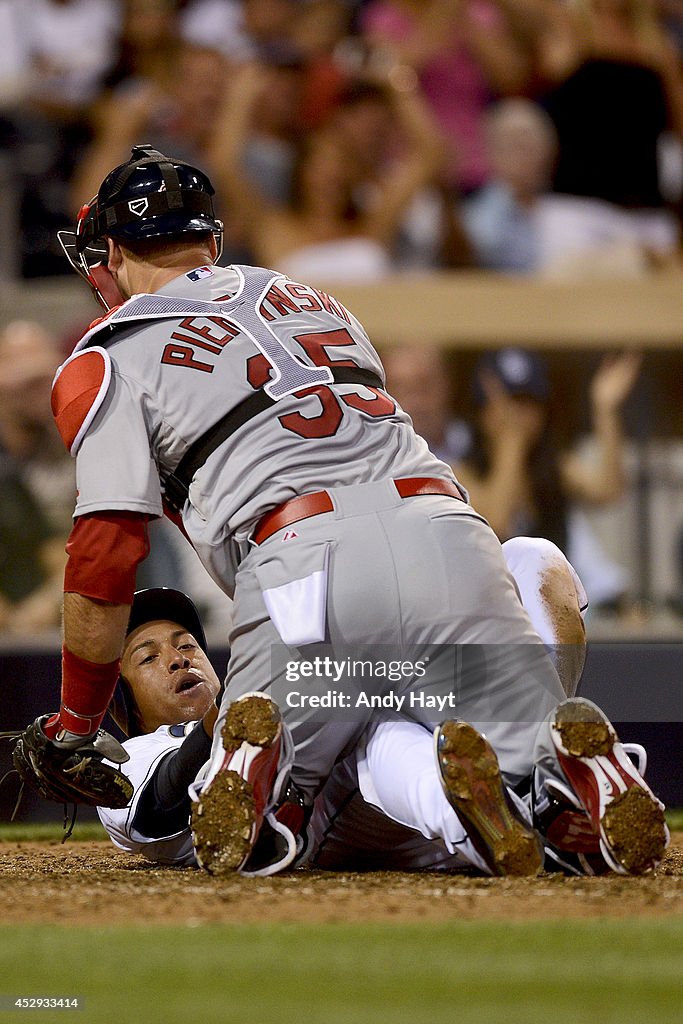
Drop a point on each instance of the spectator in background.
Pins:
(324, 233)
(464, 52)
(430, 234)
(418, 377)
(54, 55)
(323, 29)
(267, 31)
(614, 87)
(518, 476)
(671, 17)
(218, 24)
(523, 483)
(147, 43)
(61, 51)
(516, 224)
(38, 483)
(37, 480)
(174, 112)
(271, 149)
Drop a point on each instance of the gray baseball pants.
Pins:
(401, 574)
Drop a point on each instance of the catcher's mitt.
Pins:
(72, 774)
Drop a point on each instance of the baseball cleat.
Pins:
(243, 784)
(472, 782)
(623, 810)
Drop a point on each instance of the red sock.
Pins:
(87, 689)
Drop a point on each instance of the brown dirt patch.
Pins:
(92, 883)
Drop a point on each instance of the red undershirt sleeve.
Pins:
(105, 549)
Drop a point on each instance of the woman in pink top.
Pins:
(465, 52)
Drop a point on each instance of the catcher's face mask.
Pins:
(89, 256)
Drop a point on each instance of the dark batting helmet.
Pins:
(150, 196)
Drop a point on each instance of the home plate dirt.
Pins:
(89, 883)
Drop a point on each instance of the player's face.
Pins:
(169, 674)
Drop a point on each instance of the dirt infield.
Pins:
(92, 883)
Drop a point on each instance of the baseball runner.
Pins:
(167, 679)
(252, 408)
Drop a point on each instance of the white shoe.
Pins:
(243, 785)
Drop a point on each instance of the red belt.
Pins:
(315, 504)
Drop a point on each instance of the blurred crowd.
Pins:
(348, 140)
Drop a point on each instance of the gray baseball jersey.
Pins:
(179, 362)
(377, 569)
